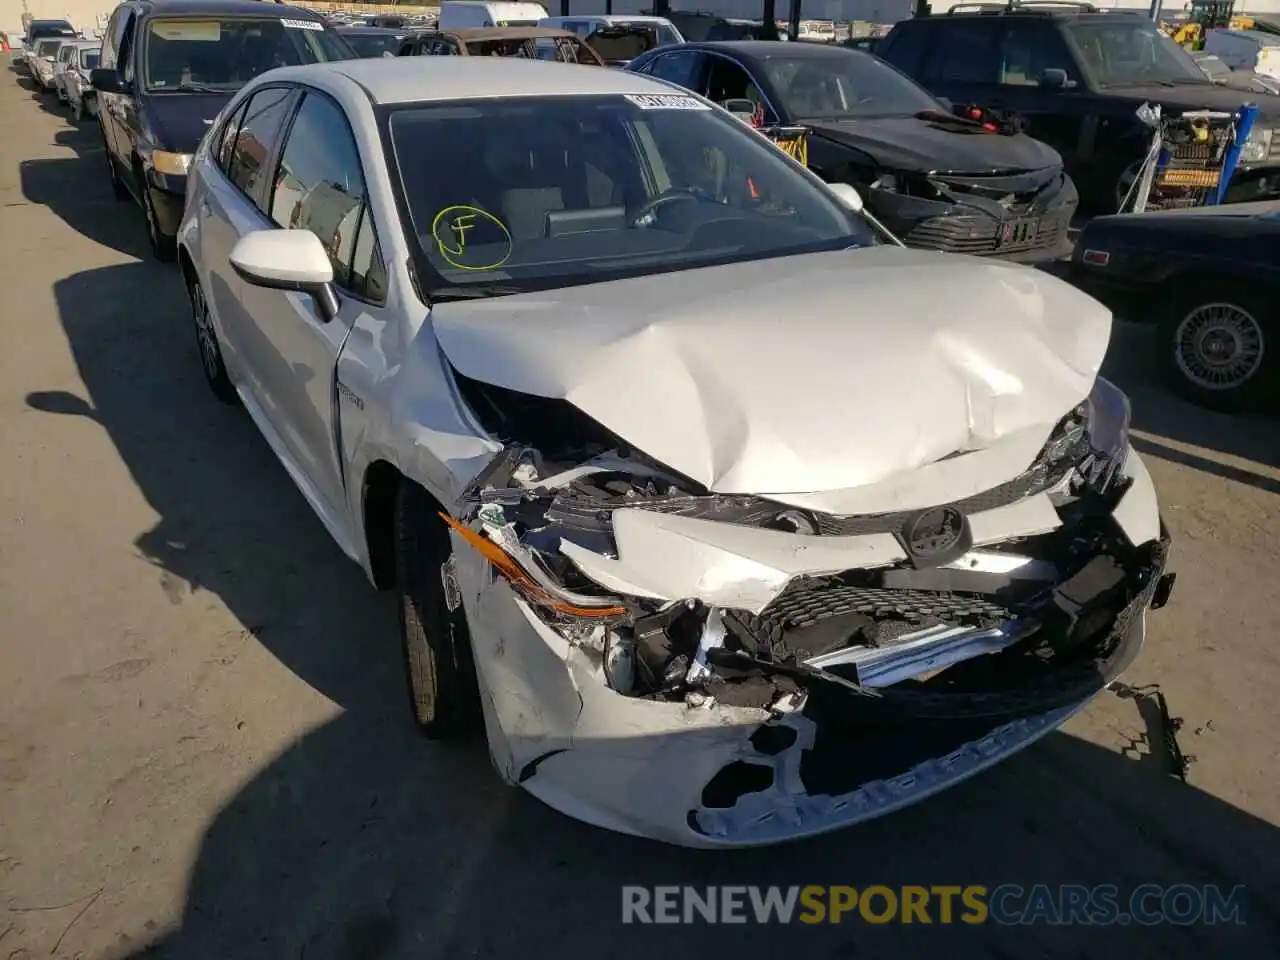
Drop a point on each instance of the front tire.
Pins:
(1221, 347)
(215, 371)
(163, 246)
(443, 691)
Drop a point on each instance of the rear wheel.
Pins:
(443, 691)
(117, 184)
(1221, 347)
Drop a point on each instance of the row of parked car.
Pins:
(620, 400)
(1056, 129)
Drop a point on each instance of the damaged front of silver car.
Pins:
(743, 574)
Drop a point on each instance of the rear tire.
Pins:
(443, 692)
(1220, 347)
(118, 187)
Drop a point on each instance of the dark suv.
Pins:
(1077, 76)
(167, 68)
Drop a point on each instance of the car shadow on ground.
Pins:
(361, 840)
(78, 191)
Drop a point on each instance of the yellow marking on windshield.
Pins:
(449, 230)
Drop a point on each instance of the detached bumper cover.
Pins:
(982, 216)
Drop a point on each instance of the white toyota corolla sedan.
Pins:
(730, 519)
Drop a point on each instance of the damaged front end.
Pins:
(1019, 216)
(719, 670)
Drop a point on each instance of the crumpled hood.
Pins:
(799, 374)
(921, 146)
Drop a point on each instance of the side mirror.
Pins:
(288, 260)
(848, 195)
(740, 107)
(1055, 78)
(106, 80)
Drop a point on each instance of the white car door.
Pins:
(229, 205)
(319, 186)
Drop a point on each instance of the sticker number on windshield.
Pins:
(303, 25)
(665, 101)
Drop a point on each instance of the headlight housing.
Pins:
(1257, 147)
(171, 164)
(1107, 415)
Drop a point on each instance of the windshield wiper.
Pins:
(196, 88)
(474, 291)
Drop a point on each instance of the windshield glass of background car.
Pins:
(1212, 66)
(47, 48)
(1127, 52)
(225, 53)
(89, 59)
(535, 193)
(857, 85)
(373, 46)
(622, 44)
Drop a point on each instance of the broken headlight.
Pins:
(1106, 415)
(535, 575)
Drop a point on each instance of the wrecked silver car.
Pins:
(732, 520)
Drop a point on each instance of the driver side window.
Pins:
(1027, 50)
(680, 68)
(727, 80)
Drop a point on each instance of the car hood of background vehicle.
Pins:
(1199, 96)
(797, 374)
(178, 119)
(922, 146)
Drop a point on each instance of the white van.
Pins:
(458, 14)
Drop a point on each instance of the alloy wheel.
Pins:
(205, 332)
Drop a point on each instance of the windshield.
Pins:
(1132, 51)
(223, 54)
(516, 23)
(89, 59)
(373, 45)
(662, 33)
(616, 43)
(538, 193)
(1212, 66)
(855, 85)
(47, 48)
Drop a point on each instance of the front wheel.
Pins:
(1221, 347)
(163, 245)
(443, 691)
(215, 371)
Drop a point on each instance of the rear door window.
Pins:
(966, 52)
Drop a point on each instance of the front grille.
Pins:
(980, 236)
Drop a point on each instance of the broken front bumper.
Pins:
(704, 772)
(951, 215)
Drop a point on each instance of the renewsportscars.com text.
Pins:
(1007, 904)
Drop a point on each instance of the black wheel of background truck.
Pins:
(117, 184)
(215, 372)
(437, 646)
(163, 246)
(1220, 346)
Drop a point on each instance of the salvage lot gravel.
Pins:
(204, 749)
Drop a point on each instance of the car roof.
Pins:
(245, 7)
(392, 80)
(354, 31)
(761, 50)
(478, 34)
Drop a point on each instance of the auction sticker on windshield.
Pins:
(303, 25)
(207, 31)
(665, 101)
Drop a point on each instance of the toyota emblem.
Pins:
(936, 536)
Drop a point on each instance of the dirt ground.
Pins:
(205, 749)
